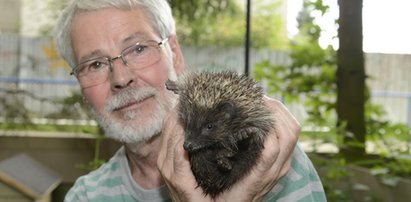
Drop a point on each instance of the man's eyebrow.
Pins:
(137, 35)
(94, 54)
(140, 36)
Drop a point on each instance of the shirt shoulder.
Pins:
(104, 184)
(301, 183)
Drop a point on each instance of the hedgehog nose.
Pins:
(188, 146)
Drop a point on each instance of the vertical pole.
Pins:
(351, 80)
(409, 110)
(247, 38)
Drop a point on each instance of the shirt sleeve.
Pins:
(301, 183)
(77, 192)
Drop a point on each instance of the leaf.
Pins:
(390, 180)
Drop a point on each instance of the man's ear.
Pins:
(178, 58)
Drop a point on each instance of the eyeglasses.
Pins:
(96, 70)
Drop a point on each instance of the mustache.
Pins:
(129, 96)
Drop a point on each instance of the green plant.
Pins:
(18, 117)
(310, 79)
(12, 105)
(222, 23)
(335, 178)
(97, 161)
(72, 107)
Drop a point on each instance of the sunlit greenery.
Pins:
(9, 126)
(310, 79)
(224, 25)
(214, 22)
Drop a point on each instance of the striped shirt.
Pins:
(113, 182)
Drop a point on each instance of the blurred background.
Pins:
(343, 68)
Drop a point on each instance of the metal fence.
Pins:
(33, 75)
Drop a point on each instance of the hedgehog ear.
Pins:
(228, 109)
(172, 85)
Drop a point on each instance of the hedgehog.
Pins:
(225, 123)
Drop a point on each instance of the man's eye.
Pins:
(95, 66)
(139, 49)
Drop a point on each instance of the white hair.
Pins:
(157, 11)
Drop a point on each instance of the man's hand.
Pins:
(275, 160)
(274, 163)
(174, 164)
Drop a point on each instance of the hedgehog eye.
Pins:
(210, 126)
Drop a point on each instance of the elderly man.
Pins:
(122, 53)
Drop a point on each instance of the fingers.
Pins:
(174, 165)
(270, 153)
(181, 163)
(287, 127)
(280, 143)
(171, 137)
(284, 115)
(172, 158)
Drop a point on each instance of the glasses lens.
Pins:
(138, 56)
(142, 55)
(92, 72)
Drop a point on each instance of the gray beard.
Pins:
(128, 130)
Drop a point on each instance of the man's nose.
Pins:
(120, 74)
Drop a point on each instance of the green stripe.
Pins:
(121, 197)
(109, 183)
(314, 196)
(112, 168)
(290, 186)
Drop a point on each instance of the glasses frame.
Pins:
(121, 56)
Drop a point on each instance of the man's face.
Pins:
(131, 104)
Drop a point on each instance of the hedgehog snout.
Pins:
(188, 146)
(192, 146)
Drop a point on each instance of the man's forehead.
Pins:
(120, 22)
(121, 28)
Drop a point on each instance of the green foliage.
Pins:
(334, 181)
(53, 8)
(96, 162)
(13, 109)
(310, 79)
(9, 126)
(12, 105)
(390, 135)
(196, 20)
(17, 117)
(92, 165)
(73, 107)
(213, 22)
(193, 9)
(268, 26)
(222, 23)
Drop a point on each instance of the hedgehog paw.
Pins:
(224, 164)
